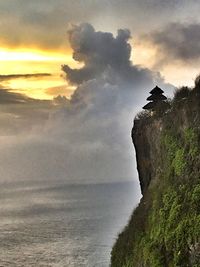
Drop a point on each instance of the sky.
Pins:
(73, 74)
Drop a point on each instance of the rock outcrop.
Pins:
(164, 230)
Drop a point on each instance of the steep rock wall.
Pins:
(164, 230)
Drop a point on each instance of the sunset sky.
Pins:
(74, 78)
(74, 122)
(33, 39)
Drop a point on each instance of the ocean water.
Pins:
(57, 224)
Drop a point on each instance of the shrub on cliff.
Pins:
(181, 93)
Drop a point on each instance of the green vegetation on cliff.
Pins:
(164, 230)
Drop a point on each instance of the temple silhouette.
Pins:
(157, 100)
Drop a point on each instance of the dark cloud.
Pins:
(7, 97)
(99, 51)
(61, 100)
(104, 56)
(24, 76)
(177, 42)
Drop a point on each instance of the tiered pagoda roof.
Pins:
(156, 90)
(155, 98)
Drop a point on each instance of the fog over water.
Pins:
(58, 224)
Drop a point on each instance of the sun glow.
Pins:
(175, 73)
(24, 61)
(32, 55)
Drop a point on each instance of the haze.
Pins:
(73, 122)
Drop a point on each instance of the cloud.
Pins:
(45, 19)
(176, 42)
(19, 114)
(61, 100)
(59, 90)
(86, 138)
(24, 76)
(104, 56)
(98, 51)
(7, 97)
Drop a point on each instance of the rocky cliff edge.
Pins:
(164, 230)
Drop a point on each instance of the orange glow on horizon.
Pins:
(21, 61)
(37, 87)
(30, 61)
(32, 55)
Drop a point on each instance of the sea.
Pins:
(62, 225)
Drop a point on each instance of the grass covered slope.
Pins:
(164, 230)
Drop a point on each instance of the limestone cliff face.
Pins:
(147, 136)
(146, 139)
(164, 230)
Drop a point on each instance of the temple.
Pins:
(157, 99)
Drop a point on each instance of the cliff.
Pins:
(164, 230)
